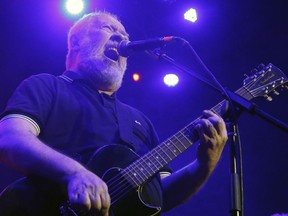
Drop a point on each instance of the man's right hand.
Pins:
(88, 192)
(21, 149)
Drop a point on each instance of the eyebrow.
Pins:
(123, 32)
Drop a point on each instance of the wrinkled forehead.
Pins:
(106, 19)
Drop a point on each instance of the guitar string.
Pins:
(117, 191)
(260, 89)
(123, 190)
(151, 157)
(256, 92)
(130, 167)
(179, 139)
(255, 80)
(126, 172)
(126, 185)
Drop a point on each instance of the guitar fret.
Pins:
(166, 153)
(146, 168)
(181, 146)
(155, 158)
(181, 142)
(168, 146)
(145, 160)
(188, 141)
(141, 171)
(218, 107)
(190, 131)
(135, 175)
(176, 148)
(134, 171)
(151, 162)
(158, 158)
(129, 177)
(249, 95)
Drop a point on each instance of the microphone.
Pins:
(126, 48)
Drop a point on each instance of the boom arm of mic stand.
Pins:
(162, 56)
(238, 100)
(252, 108)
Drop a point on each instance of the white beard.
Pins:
(106, 74)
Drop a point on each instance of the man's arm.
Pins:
(182, 184)
(21, 150)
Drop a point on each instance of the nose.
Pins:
(116, 37)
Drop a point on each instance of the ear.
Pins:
(74, 43)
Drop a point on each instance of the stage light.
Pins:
(171, 80)
(191, 15)
(136, 77)
(74, 6)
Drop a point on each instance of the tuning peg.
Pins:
(260, 66)
(253, 71)
(276, 92)
(246, 76)
(268, 98)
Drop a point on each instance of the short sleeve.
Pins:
(32, 98)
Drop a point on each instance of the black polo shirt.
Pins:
(76, 119)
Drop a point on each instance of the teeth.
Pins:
(113, 48)
(112, 53)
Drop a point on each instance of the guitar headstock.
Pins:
(268, 79)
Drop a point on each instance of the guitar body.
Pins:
(136, 202)
(38, 197)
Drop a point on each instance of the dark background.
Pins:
(231, 38)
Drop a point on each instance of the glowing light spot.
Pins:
(171, 80)
(191, 15)
(74, 6)
(136, 77)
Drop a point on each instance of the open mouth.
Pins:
(112, 53)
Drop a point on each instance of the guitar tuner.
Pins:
(261, 66)
(253, 71)
(276, 92)
(268, 98)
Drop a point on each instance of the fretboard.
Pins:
(149, 164)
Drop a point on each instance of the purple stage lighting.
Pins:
(74, 6)
(171, 80)
(191, 15)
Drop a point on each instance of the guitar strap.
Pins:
(125, 122)
(133, 129)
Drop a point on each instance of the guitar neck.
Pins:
(149, 164)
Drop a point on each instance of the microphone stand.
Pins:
(236, 184)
